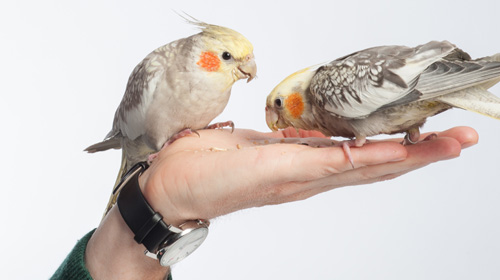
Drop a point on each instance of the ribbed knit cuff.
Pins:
(73, 267)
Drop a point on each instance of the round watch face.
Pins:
(183, 246)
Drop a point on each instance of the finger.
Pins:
(303, 163)
(305, 190)
(419, 155)
(306, 193)
(283, 163)
(466, 136)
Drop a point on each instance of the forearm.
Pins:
(112, 253)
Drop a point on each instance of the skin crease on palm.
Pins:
(227, 172)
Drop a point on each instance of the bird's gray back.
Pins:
(358, 84)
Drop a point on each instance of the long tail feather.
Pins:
(111, 143)
(121, 172)
(475, 99)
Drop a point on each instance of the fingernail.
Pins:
(466, 145)
(398, 159)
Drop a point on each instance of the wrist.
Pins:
(164, 242)
(152, 187)
(112, 253)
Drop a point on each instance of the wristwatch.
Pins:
(166, 243)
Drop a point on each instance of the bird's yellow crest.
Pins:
(239, 46)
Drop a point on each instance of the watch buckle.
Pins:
(151, 255)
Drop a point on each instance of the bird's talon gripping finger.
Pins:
(347, 150)
(152, 157)
(232, 126)
(430, 137)
(183, 133)
(411, 137)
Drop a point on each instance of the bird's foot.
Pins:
(152, 157)
(411, 137)
(346, 146)
(221, 125)
(183, 133)
(431, 136)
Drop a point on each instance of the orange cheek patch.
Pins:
(295, 105)
(209, 61)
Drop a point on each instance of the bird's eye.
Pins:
(226, 56)
(278, 102)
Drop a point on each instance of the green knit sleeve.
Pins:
(73, 267)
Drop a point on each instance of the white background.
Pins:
(63, 70)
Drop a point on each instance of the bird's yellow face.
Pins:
(227, 52)
(288, 103)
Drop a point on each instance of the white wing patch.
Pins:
(133, 125)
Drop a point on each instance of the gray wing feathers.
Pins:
(444, 76)
(359, 84)
(493, 58)
(132, 99)
(128, 117)
(463, 83)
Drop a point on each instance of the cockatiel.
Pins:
(384, 90)
(180, 86)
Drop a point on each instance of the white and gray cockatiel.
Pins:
(182, 85)
(384, 90)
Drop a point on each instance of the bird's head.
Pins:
(289, 103)
(226, 51)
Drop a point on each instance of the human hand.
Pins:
(219, 172)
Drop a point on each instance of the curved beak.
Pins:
(248, 69)
(272, 118)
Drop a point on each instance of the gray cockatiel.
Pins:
(384, 90)
(182, 85)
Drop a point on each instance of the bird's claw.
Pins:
(431, 136)
(221, 125)
(183, 133)
(411, 137)
(152, 157)
(346, 146)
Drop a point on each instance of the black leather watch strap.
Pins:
(146, 224)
